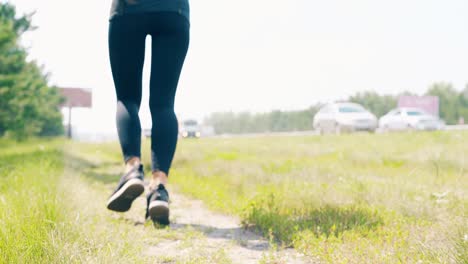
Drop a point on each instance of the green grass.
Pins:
(29, 207)
(360, 198)
(385, 198)
(50, 213)
(348, 199)
(52, 209)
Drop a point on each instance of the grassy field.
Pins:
(52, 210)
(29, 208)
(385, 198)
(360, 198)
(39, 220)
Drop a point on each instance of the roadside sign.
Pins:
(75, 97)
(430, 104)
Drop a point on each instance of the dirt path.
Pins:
(223, 232)
(196, 234)
(201, 235)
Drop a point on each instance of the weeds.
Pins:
(391, 198)
(346, 199)
(30, 209)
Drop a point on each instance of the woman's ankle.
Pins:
(158, 178)
(132, 163)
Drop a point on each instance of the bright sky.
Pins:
(267, 54)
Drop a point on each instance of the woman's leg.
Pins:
(170, 40)
(127, 52)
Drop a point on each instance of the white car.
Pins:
(147, 132)
(190, 129)
(341, 117)
(407, 118)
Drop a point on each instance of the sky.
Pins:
(262, 55)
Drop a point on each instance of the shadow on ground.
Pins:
(240, 235)
(102, 172)
(263, 216)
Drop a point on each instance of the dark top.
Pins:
(120, 7)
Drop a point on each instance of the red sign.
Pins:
(76, 97)
(430, 104)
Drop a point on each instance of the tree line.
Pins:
(453, 106)
(28, 105)
(274, 121)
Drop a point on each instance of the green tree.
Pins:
(274, 121)
(450, 105)
(463, 98)
(377, 104)
(28, 105)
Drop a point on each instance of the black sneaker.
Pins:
(130, 187)
(158, 205)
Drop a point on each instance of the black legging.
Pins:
(170, 39)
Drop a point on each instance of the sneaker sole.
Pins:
(159, 212)
(122, 200)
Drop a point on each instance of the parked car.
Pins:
(190, 129)
(344, 117)
(407, 118)
(147, 132)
